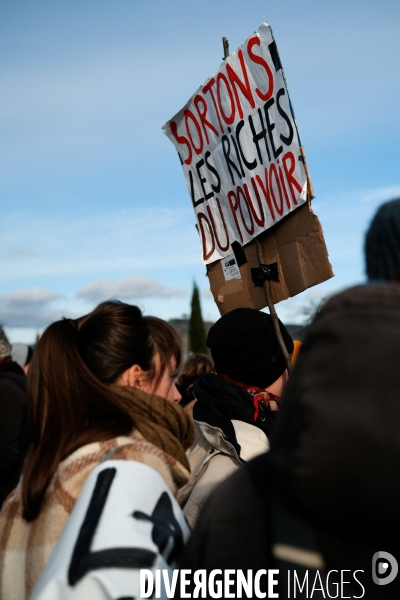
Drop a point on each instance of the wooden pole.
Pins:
(310, 188)
(271, 306)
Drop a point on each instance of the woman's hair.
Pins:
(116, 336)
(195, 365)
(71, 389)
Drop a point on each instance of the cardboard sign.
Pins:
(295, 245)
(125, 521)
(239, 147)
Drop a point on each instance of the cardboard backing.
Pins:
(296, 244)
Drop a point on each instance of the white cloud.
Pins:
(130, 287)
(37, 295)
(29, 308)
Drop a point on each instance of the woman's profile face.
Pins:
(162, 384)
(165, 387)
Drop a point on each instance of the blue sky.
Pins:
(93, 199)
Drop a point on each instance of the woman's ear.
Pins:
(133, 377)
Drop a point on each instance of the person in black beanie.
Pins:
(382, 243)
(236, 406)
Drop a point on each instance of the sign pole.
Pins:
(271, 306)
(310, 188)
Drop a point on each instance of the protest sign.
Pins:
(239, 147)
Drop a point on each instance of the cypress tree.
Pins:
(197, 332)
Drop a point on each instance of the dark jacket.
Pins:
(330, 483)
(15, 433)
(219, 402)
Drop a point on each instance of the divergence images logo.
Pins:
(384, 568)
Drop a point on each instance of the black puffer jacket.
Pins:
(330, 484)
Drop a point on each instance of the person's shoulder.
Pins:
(247, 486)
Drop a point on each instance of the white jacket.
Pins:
(212, 458)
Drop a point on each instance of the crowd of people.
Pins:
(270, 472)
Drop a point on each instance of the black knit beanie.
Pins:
(382, 243)
(244, 347)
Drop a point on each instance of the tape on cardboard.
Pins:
(238, 251)
(265, 273)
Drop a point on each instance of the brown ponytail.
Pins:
(71, 394)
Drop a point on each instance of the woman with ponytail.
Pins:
(101, 383)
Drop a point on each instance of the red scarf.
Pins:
(268, 399)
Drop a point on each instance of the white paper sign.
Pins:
(230, 268)
(239, 148)
(125, 520)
